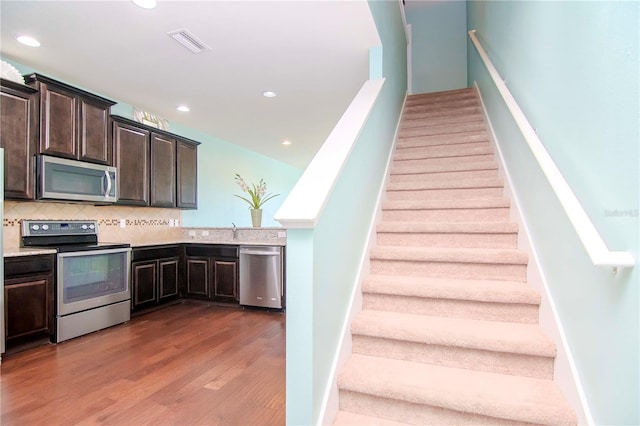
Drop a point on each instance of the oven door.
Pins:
(90, 279)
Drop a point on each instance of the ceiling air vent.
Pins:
(188, 40)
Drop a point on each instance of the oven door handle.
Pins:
(95, 252)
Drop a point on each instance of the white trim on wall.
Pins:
(330, 402)
(565, 371)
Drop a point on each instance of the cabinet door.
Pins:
(163, 171)
(18, 137)
(198, 277)
(168, 279)
(225, 280)
(58, 122)
(143, 283)
(94, 136)
(28, 306)
(187, 175)
(131, 157)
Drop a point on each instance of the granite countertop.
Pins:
(224, 242)
(25, 251)
(31, 251)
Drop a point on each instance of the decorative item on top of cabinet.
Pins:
(73, 123)
(156, 168)
(28, 296)
(18, 137)
(154, 275)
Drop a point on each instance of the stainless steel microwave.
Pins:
(72, 180)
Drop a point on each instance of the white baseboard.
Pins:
(565, 372)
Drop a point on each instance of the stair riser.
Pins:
(441, 154)
(444, 129)
(448, 215)
(412, 413)
(458, 167)
(439, 96)
(458, 357)
(425, 162)
(453, 308)
(445, 194)
(442, 112)
(451, 150)
(488, 271)
(443, 176)
(452, 139)
(414, 123)
(459, 240)
(434, 106)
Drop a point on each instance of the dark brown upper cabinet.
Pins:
(18, 137)
(131, 157)
(163, 171)
(155, 168)
(187, 175)
(73, 123)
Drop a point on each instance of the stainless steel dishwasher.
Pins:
(261, 276)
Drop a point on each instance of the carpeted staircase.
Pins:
(449, 329)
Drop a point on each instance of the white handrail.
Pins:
(596, 248)
(306, 201)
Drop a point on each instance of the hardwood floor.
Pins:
(187, 364)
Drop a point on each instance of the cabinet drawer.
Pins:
(213, 250)
(28, 265)
(153, 253)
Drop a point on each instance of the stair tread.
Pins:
(463, 167)
(504, 396)
(496, 336)
(469, 203)
(348, 418)
(448, 288)
(454, 255)
(445, 184)
(448, 227)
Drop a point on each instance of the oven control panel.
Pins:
(57, 227)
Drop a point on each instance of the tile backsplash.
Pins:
(141, 224)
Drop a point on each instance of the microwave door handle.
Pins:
(108, 190)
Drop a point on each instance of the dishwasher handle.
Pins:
(260, 253)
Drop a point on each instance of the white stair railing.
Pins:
(596, 248)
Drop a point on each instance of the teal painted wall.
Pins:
(323, 263)
(438, 45)
(218, 162)
(573, 68)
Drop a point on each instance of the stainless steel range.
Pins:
(92, 279)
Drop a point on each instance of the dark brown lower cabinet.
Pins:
(212, 272)
(28, 296)
(155, 274)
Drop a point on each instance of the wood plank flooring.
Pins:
(187, 364)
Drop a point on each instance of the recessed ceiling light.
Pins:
(286, 142)
(28, 41)
(145, 4)
(183, 108)
(269, 94)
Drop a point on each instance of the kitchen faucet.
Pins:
(235, 230)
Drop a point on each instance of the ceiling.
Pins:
(313, 54)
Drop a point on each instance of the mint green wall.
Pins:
(218, 162)
(573, 69)
(323, 263)
(438, 45)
